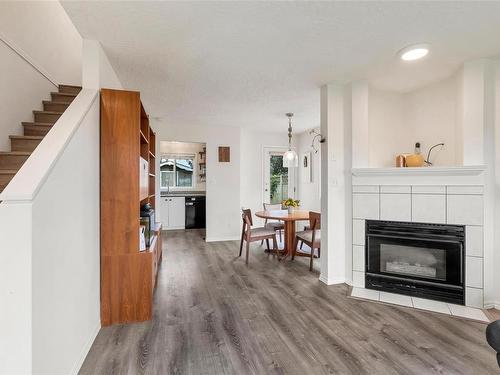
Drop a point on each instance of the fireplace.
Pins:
(416, 259)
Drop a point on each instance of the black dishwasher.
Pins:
(195, 212)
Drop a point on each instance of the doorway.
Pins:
(278, 181)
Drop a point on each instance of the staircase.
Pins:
(21, 146)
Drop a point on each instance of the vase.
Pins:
(291, 209)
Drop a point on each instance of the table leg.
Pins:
(289, 237)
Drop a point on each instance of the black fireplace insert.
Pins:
(416, 259)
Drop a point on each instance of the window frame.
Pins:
(175, 179)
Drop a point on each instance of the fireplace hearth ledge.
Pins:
(420, 304)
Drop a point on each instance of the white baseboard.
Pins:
(492, 305)
(332, 281)
(85, 350)
(220, 239)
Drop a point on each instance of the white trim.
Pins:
(422, 171)
(328, 281)
(85, 350)
(14, 47)
(492, 305)
(221, 239)
(32, 175)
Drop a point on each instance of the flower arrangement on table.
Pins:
(290, 204)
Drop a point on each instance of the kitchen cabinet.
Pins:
(172, 212)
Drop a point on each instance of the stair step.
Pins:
(55, 106)
(62, 97)
(24, 143)
(5, 177)
(47, 116)
(70, 89)
(13, 160)
(37, 128)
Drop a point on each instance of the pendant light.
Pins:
(290, 157)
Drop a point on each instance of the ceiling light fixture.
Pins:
(290, 157)
(414, 52)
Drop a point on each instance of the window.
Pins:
(176, 171)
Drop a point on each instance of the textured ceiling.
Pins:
(247, 63)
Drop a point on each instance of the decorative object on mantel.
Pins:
(306, 167)
(316, 135)
(291, 204)
(400, 161)
(428, 161)
(224, 154)
(416, 159)
(290, 157)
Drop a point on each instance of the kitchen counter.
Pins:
(183, 194)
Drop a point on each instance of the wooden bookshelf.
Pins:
(128, 181)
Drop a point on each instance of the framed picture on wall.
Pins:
(305, 165)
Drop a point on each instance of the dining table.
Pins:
(289, 219)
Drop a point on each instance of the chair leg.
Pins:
(301, 244)
(267, 244)
(247, 251)
(241, 244)
(275, 247)
(311, 261)
(281, 238)
(261, 242)
(319, 252)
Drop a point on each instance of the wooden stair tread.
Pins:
(15, 153)
(38, 123)
(72, 86)
(55, 102)
(33, 137)
(63, 94)
(8, 171)
(48, 112)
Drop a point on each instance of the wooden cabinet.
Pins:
(173, 212)
(127, 182)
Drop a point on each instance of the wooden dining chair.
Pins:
(311, 237)
(249, 234)
(276, 225)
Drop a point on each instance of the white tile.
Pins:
(396, 299)
(358, 258)
(465, 209)
(365, 293)
(427, 208)
(430, 305)
(358, 279)
(365, 189)
(474, 297)
(428, 189)
(474, 272)
(365, 206)
(474, 241)
(395, 207)
(397, 189)
(465, 190)
(358, 232)
(467, 312)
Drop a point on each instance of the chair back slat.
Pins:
(272, 206)
(314, 220)
(246, 215)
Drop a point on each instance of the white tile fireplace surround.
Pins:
(434, 195)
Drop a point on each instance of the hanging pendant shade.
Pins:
(290, 157)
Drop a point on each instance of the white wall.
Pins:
(398, 121)
(97, 71)
(309, 193)
(66, 262)
(180, 148)
(223, 179)
(54, 47)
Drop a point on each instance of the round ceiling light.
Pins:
(414, 52)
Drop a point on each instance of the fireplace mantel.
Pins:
(464, 175)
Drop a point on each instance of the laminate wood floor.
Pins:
(214, 315)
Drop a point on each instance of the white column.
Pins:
(335, 197)
(360, 145)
